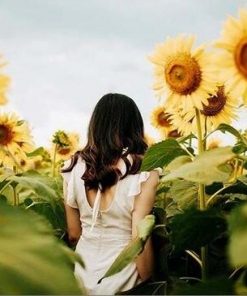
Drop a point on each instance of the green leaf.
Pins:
(45, 194)
(32, 261)
(161, 154)
(228, 128)
(134, 248)
(238, 236)
(41, 185)
(145, 227)
(184, 193)
(193, 228)
(129, 253)
(178, 162)
(36, 152)
(206, 168)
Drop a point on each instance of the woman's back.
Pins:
(115, 132)
(106, 229)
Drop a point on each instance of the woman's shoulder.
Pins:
(136, 181)
(71, 167)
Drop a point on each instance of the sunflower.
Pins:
(183, 122)
(66, 144)
(160, 118)
(4, 84)
(15, 139)
(221, 108)
(214, 143)
(184, 76)
(232, 60)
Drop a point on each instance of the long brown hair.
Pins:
(115, 124)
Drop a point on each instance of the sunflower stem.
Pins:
(54, 161)
(201, 194)
(15, 196)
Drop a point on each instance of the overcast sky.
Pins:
(65, 54)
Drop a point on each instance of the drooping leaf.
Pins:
(193, 228)
(160, 154)
(178, 162)
(184, 193)
(134, 248)
(223, 127)
(36, 152)
(32, 260)
(206, 168)
(145, 227)
(129, 253)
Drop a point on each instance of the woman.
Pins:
(106, 196)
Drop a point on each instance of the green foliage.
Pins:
(39, 193)
(217, 286)
(184, 193)
(228, 128)
(193, 228)
(36, 152)
(161, 154)
(32, 261)
(238, 236)
(206, 168)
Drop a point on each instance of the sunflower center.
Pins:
(163, 119)
(215, 103)
(64, 151)
(6, 135)
(174, 134)
(183, 74)
(241, 56)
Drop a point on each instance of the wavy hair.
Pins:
(116, 125)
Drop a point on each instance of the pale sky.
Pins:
(64, 55)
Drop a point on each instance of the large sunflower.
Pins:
(15, 140)
(183, 75)
(66, 145)
(4, 84)
(232, 59)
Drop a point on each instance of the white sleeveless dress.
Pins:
(104, 233)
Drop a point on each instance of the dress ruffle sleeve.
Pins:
(135, 186)
(70, 179)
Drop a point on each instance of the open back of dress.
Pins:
(104, 236)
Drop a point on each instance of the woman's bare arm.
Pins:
(142, 206)
(72, 218)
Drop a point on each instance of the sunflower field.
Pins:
(199, 223)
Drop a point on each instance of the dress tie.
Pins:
(96, 206)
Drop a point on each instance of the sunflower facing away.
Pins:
(221, 108)
(184, 76)
(67, 145)
(232, 59)
(161, 120)
(4, 84)
(15, 140)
